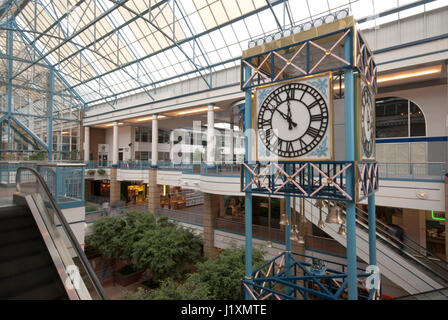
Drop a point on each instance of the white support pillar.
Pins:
(231, 137)
(115, 145)
(155, 141)
(211, 135)
(86, 144)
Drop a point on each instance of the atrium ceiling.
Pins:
(106, 50)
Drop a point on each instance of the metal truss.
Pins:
(317, 180)
(367, 182)
(293, 276)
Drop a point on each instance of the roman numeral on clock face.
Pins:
(300, 116)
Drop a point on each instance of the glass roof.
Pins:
(110, 49)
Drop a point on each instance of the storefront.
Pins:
(435, 233)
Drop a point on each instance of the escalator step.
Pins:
(18, 235)
(50, 291)
(28, 281)
(13, 211)
(12, 223)
(21, 249)
(24, 264)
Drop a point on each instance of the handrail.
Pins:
(423, 294)
(437, 274)
(385, 226)
(71, 236)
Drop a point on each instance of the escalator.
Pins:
(404, 262)
(40, 257)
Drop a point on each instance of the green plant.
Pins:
(136, 224)
(106, 236)
(91, 172)
(167, 250)
(38, 156)
(191, 289)
(101, 172)
(74, 154)
(224, 272)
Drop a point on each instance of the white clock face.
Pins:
(293, 120)
(367, 124)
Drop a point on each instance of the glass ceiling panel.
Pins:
(112, 48)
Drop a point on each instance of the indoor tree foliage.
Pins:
(115, 236)
(217, 279)
(224, 272)
(167, 250)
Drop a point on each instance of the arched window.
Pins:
(398, 117)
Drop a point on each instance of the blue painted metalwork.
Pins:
(349, 101)
(322, 279)
(372, 231)
(318, 180)
(248, 196)
(50, 118)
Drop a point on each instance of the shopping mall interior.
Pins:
(142, 142)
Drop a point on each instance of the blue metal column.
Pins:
(350, 156)
(372, 231)
(50, 119)
(10, 47)
(248, 197)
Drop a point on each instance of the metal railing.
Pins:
(433, 171)
(415, 254)
(440, 294)
(325, 245)
(42, 189)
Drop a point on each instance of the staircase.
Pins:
(26, 268)
(413, 268)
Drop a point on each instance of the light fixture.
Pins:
(111, 124)
(197, 110)
(149, 118)
(410, 74)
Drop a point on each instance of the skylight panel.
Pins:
(318, 7)
(219, 13)
(188, 6)
(362, 8)
(241, 31)
(196, 23)
(254, 27)
(207, 18)
(246, 6)
(232, 9)
(299, 10)
(229, 35)
(218, 40)
(267, 21)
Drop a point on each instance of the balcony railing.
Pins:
(432, 171)
(65, 180)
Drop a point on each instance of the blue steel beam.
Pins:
(25, 37)
(188, 39)
(350, 156)
(75, 34)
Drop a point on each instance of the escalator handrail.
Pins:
(419, 247)
(415, 258)
(71, 236)
(438, 275)
(422, 294)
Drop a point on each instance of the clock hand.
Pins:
(287, 118)
(291, 123)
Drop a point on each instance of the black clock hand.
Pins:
(287, 118)
(291, 123)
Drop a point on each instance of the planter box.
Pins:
(125, 280)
